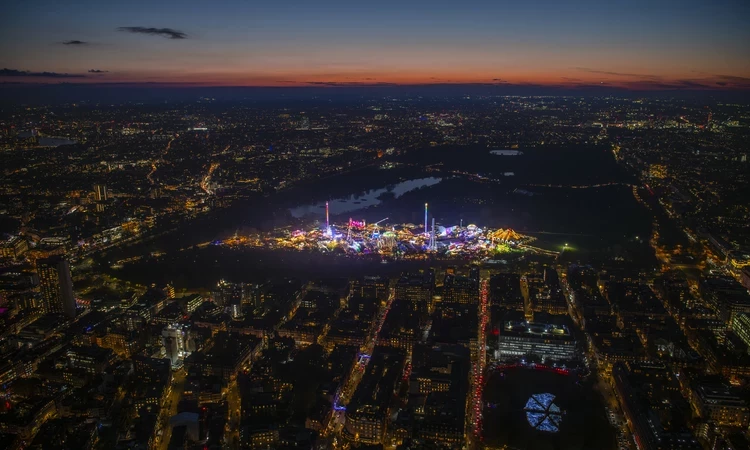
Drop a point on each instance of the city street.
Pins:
(355, 376)
(169, 409)
(234, 404)
(474, 425)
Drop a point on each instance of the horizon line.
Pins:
(632, 87)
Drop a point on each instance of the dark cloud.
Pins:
(75, 43)
(665, 85)
(26, 73)
(642, 81)
(714, 81)
(97, 71)
(733, 79)
(650, 85)
(614, 74)
(691, 84)
(163, 32)
(535, 85)
(349, 83)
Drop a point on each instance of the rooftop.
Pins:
(534, 329)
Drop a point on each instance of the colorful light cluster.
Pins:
(398, 240)
(542, 413)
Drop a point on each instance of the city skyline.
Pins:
(646, 45)
(247, 225)
(401, 271)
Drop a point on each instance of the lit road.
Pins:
(525, 293)
(615, 414)
(206, 182)
(355, 376)
(474, 425)
(602, 385)
(119, 416)
(155, 164)
(573, 310)
(370, 344)
(541, 251)
(234, 404)
(169, 409)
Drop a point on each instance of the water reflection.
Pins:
(47, 141)
(54, 141)
(370, 198)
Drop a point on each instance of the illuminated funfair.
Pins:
(394, 240)
(502, 236)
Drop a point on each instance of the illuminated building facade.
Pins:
(174, 339)
(402, 325)
(259, 437)
(505, 291)
(741, 327)
(91, 360)
(462, 290)
(122, 342)
(226, 357)
(438, 387)
(14, 247)
(416, 288)
(56, 286)
(745, 277)
(100, 193)
(720, 404)
(725, 296)
(528, 338)
(231, 295)
(193, 302)
(371, 288)
(657, 171)
(643, 391)
(551, 299)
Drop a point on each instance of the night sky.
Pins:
(633, 44)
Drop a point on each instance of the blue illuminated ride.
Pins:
(542, 413)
